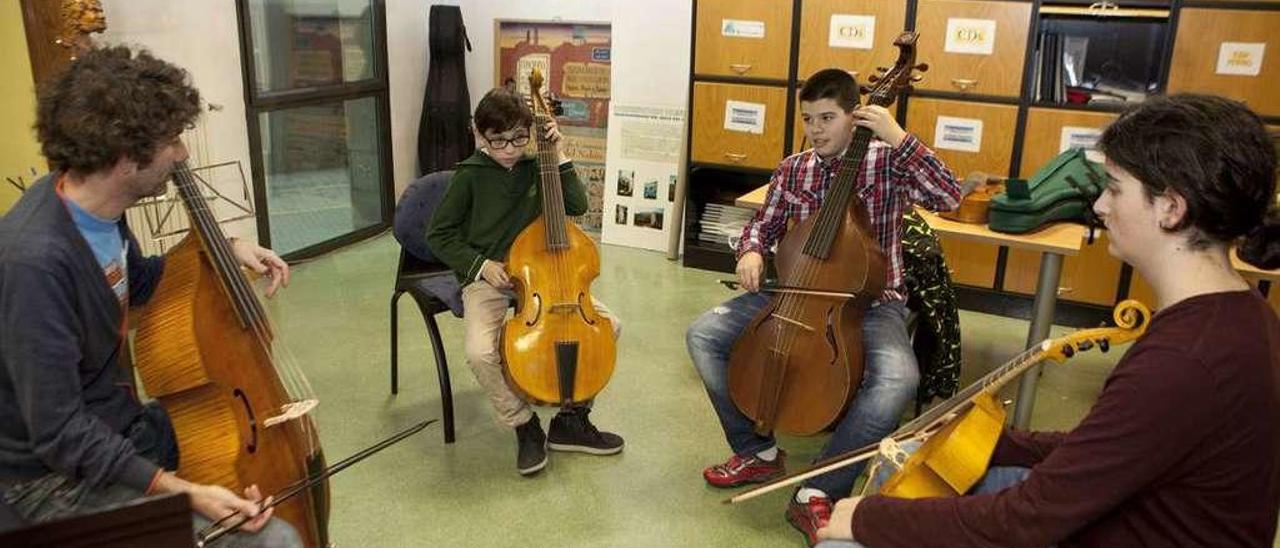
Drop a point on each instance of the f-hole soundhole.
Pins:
(253, 423)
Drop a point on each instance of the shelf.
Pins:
(1105, 13)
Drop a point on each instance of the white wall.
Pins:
(650, 58)
(203, 38)
(650, 54)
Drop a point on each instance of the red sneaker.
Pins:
(739, 470)
(810, 516)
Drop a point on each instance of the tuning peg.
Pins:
(923, 67)
(1104, 344)
(1086, 346)
(917, 78)
(882, 70)
(1068, 351)
(864, 90)
(873, 78)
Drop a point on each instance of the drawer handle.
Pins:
(739, 68)
(1062, 290)
(964, 83)
(735, 157)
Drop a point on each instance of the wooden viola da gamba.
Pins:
(204, 352)
(557, 348)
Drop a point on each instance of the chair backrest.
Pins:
(414, 211)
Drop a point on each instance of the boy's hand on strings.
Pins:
(554, 137)
(881, 122)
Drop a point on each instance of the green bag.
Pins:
(1063, 190)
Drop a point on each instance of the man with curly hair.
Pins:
(73, 435)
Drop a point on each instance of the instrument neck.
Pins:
(205, 227)
(991, 383)
(839, 196)
(552, 190)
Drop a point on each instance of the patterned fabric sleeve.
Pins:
(771, 218)
(931, 184)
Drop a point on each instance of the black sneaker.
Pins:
(571, 430)
(531, 447)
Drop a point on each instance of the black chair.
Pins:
(424, 278)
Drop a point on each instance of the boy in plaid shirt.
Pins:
(898, 172)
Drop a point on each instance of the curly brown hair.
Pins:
(112, 104)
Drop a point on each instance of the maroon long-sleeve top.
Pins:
(1182, 448)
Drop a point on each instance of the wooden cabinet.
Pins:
(994, 146)
(855, 35)
(746, 39)
(973, 46)
(971, 263)
(1092, 276)
(1044, 137)
(1213, 41)
(714, 143)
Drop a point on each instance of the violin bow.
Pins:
(773, 288)
(217, 529)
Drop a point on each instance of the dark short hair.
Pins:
(832, 83)
(502, 109)
(110, 104)
(1212, 151)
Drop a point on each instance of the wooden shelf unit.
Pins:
(1019, 133)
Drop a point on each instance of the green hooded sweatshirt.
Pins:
(487, 206)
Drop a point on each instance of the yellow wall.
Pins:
(19, 151)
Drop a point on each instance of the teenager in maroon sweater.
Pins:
(1182, 447)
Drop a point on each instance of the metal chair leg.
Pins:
(442, 371)
(395, 343)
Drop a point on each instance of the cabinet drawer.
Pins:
(1045, 137)
(989, 152)
(1093, 276)
(974, 47)
(721, 137)
(750, 39)
(1199, 55)
(970, 263)
(855, 35)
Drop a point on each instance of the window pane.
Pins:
(308, 43)
(322, 171)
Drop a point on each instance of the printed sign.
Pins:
(1084, 138)
(973, 36)
(738, 28)
(744, 117)
(962, 134)
(1241, 58)
(590, 80)
(852, 31)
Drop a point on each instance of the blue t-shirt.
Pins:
(108, 247)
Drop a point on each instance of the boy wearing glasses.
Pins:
(494, 195)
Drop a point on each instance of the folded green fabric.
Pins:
(1062, 190)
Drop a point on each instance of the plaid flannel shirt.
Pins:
(892, 180)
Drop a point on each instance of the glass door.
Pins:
(319, 127)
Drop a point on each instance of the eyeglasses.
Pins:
(500, 143)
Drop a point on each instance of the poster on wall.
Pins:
(641, 174)
(575, 60)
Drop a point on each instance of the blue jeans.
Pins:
(889, 382)
(997, 478)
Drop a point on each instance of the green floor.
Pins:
(423, 492)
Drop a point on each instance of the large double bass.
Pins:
(797, 365)
(207, 351)
(557, 348)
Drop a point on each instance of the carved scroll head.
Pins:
(80, 18)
